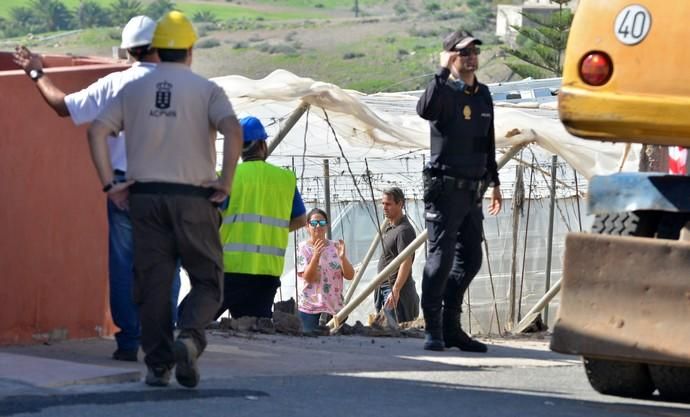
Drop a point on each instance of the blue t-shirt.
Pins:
(298, 208)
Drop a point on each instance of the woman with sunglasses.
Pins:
(321, 267)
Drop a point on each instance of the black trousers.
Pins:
(249, 295)
(454, 223)
(166, 228)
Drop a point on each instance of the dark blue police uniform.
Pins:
(463, 157)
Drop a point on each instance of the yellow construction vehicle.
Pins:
(625, 296)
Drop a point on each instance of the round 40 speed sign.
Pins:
(633, 24)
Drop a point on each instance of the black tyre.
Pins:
(673, 382)
(625, 224)
(623, 379)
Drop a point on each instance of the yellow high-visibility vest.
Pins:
(256, 223)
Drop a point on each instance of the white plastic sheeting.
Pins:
(386, 125)
(354, 131)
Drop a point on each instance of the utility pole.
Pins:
(356, 8)
(549, 242)
(327, 192)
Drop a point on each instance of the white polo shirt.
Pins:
(85, 105)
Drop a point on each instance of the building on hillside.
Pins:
(509, 15)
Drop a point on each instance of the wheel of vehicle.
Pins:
(673, 382)
(623, 379)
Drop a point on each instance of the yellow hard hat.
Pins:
(174, 31)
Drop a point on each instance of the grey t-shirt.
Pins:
(395, 240)
(170, 118)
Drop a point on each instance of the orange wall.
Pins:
(53, 227)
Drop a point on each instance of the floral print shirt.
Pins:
(325, 295)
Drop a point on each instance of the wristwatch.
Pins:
(109, 186)
(36, 74)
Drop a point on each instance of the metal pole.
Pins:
(549, 244)
(294, 244)
(382, 276)
(543, 302)
(327, 194)
(493, 289)
(289, 124)
(524, 245)
(426, 245)
(365, 263)
(577, 199)
(509, 154)
(518, 198)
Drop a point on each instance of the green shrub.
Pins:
(352, 55)
(207, 43)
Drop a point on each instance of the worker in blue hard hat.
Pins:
(264, 207)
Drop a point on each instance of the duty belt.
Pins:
(460, 183)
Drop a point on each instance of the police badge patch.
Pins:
(467, 112)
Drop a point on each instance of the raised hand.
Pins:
(447, 58)
(340, 246)
(319, 246)
(26, 59)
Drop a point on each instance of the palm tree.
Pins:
(158, 8)
(53, 14)
(206, 16)
(123, 10)
(91, 14)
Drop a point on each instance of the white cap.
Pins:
(138, 32)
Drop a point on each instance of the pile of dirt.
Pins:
(285, 321)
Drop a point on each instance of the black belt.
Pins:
(169, 188)
(460, 183)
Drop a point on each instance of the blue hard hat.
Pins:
(252, 129)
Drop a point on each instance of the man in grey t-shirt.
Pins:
(170, 118)
(397, 293)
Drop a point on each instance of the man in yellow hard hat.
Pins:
(171, 118)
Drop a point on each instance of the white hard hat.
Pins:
(138, 32)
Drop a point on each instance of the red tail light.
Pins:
(596, 68)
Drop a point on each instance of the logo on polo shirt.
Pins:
(163, 99)
(163, 95)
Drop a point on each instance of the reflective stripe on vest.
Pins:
(256, 222)
(245, 247)
(256, 218)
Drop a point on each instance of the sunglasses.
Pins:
(469, 51)
(315, 223)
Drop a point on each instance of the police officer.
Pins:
(463, 157)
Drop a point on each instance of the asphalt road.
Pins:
(332, 376)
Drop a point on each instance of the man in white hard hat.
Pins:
(83, 107)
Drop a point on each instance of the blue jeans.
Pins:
(124, 312)
(309, 321)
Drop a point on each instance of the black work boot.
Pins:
(454, 336)
(433, 335)
(186, 354)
